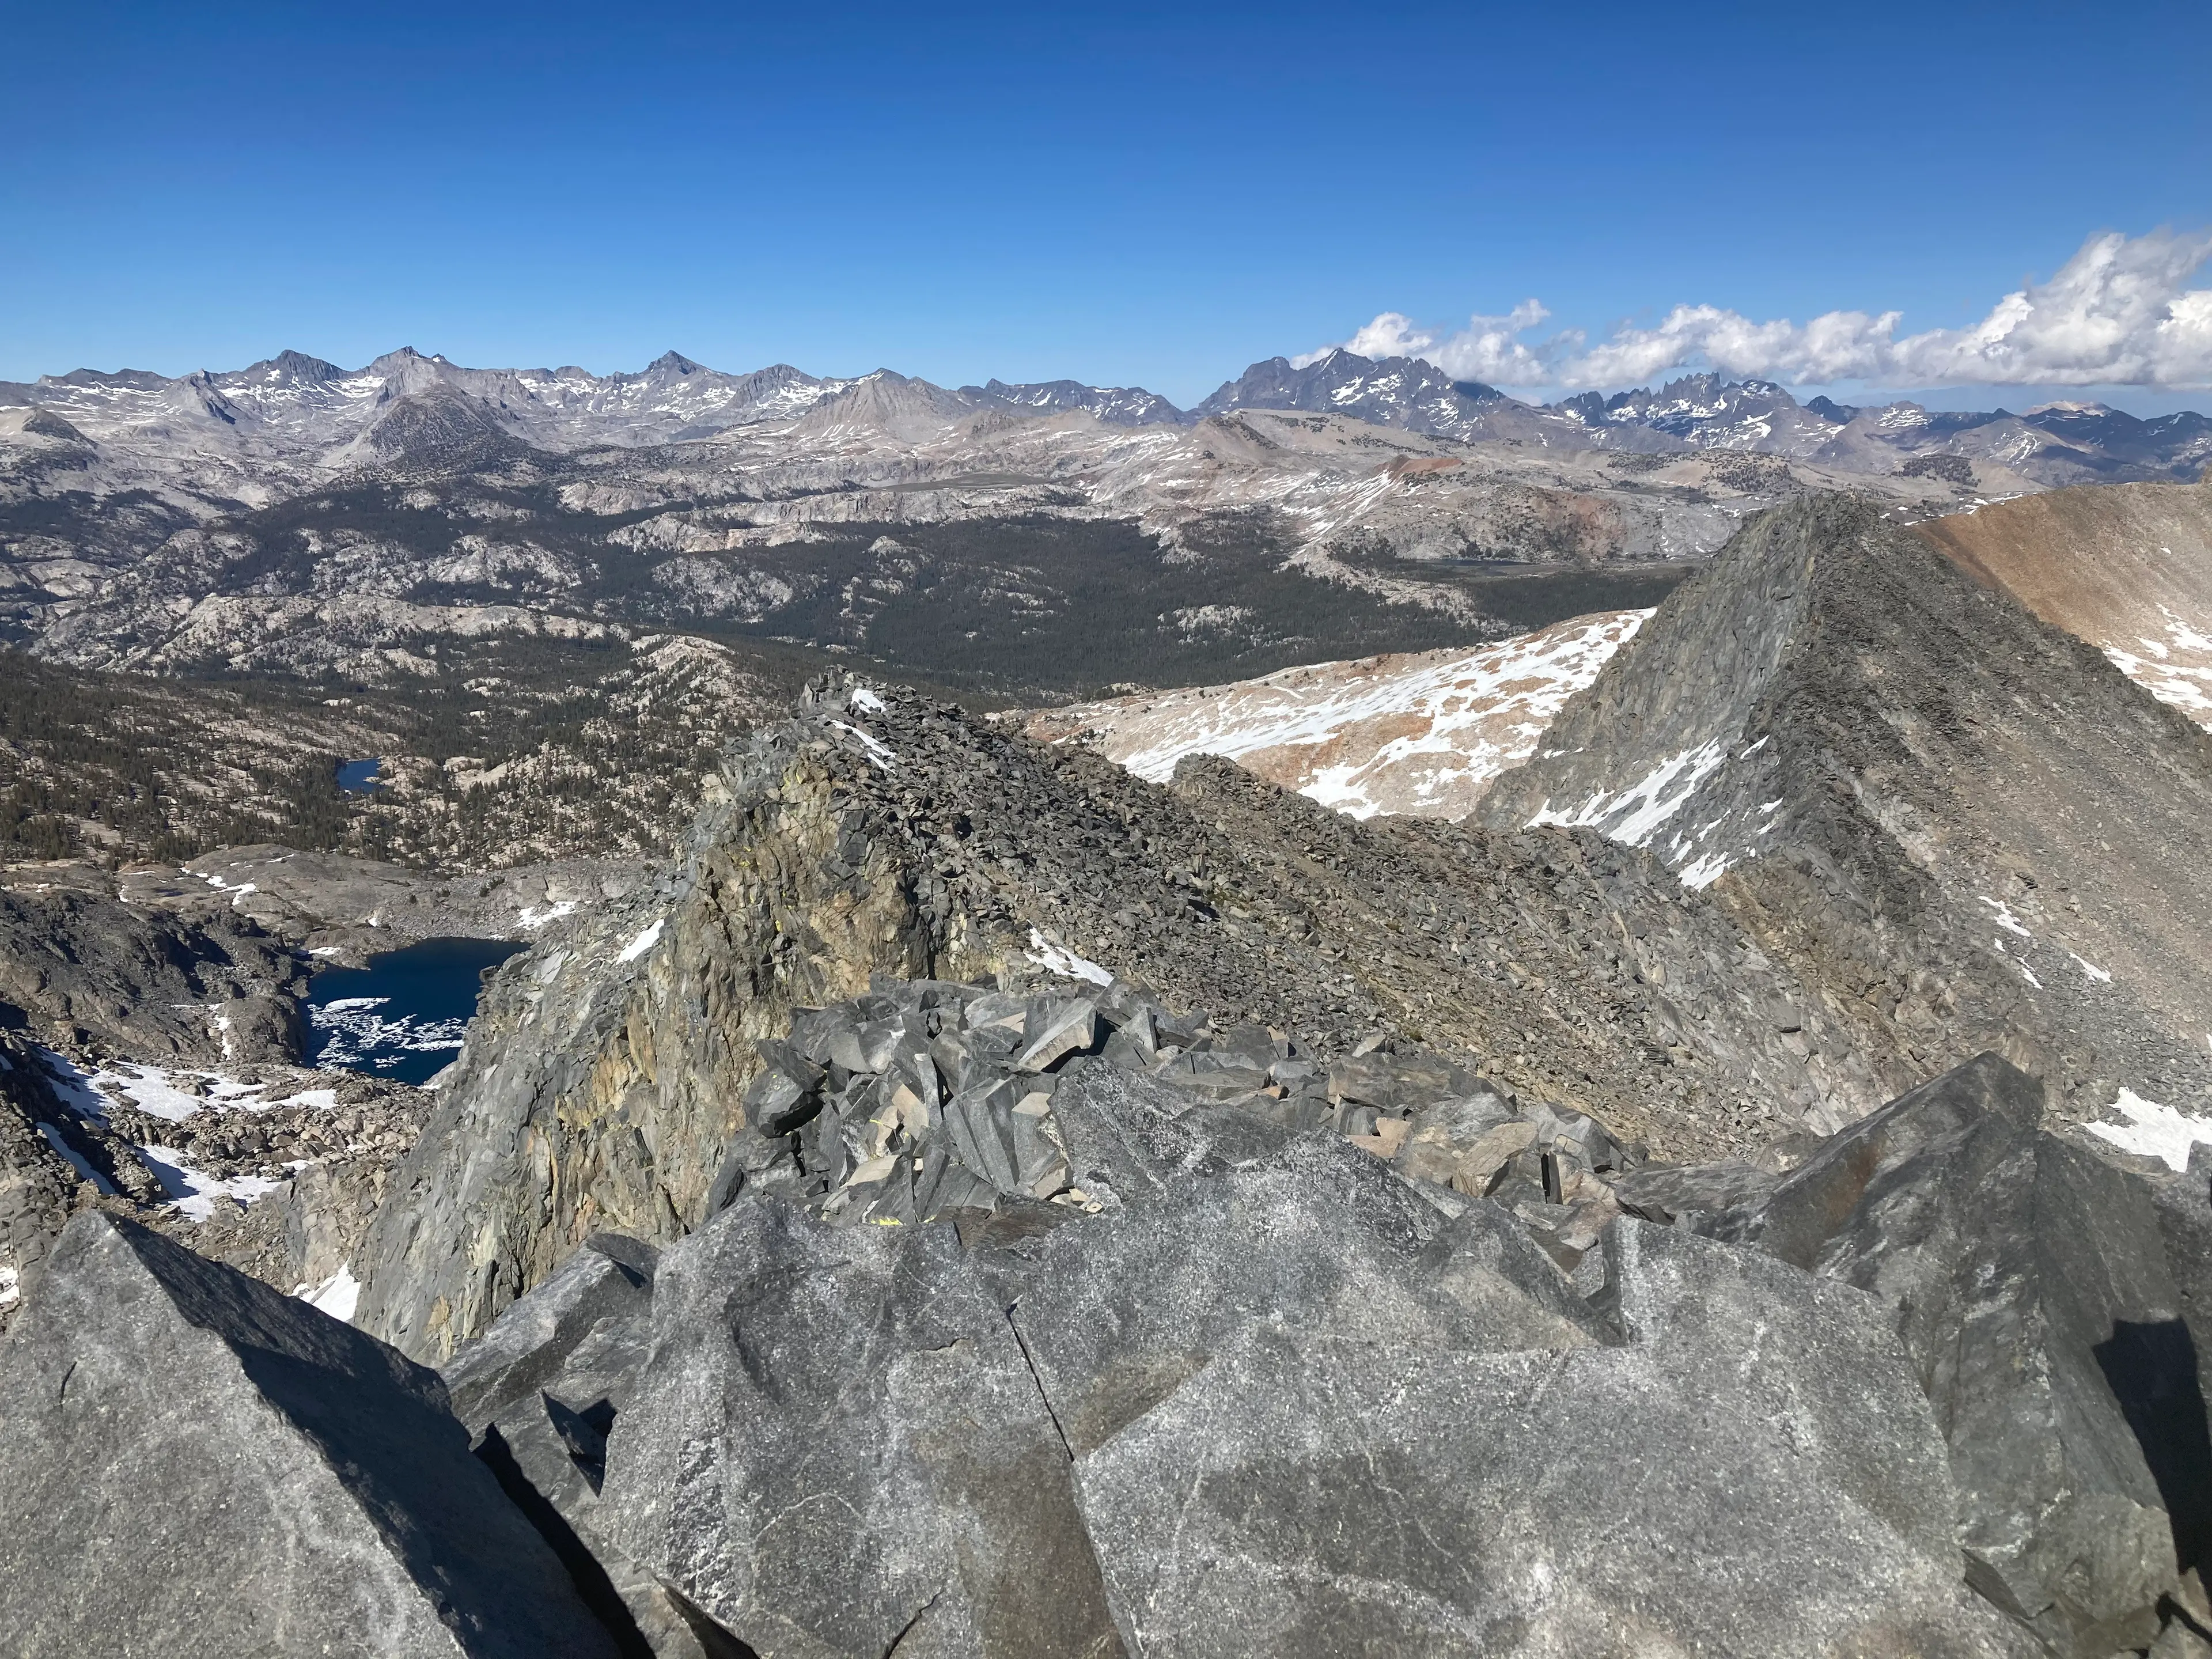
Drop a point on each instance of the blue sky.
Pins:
(1146, 194)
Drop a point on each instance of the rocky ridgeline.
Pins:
(978, 1203)
(1965, 823)
(1170, 1371)
(883, 833)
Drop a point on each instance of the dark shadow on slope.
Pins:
(2152, 1370)
(591, 1579)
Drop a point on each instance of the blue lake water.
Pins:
(358, 777)
(405, 1014)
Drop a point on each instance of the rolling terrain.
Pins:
(1026, 543)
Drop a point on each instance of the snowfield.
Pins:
(1419, 735)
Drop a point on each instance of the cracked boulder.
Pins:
(542, 1391)
(837, 1448)
(1755, 1472)
(198, 1465)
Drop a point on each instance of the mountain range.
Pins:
(294, 399)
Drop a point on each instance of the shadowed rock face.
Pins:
(1964, 822)
(2053, 1296)
(82, 970)
(198, 1465)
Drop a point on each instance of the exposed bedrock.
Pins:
(1282, 1398)
(198, 1465)
(885, 834)
(1967, 825)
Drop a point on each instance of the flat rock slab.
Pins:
(196, 1465)
(1316, 1237)
(1305, 1497)
(837, 1448)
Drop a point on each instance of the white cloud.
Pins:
(2117, 313)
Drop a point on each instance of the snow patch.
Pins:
(194, 1193)
(2176, 669)
(2154, 1131)
(2005, 919)
(338, 1296)
(877, 751)
(865, 700)
(1058, 959)
(1635, 814)
(1709, 868)
(644, 942)
(2090, 970)
(1420, 734)
(533, 917)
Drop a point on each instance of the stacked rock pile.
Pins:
(923, 1098)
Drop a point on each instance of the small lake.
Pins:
(403, 1015)
(358, 777)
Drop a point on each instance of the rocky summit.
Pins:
(1739, 1188)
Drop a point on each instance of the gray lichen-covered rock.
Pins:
(1317, 1236)
(607, 1284)
(1261, 1398)
(541, 1390)
(837, 1448)
(1756, 1473)
(196, 1465)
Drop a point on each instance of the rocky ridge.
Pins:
(1376, 1346)
(1901, 782)
(980, 1202)
(1201, 1321)
(882, 833)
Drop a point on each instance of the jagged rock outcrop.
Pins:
(1276, 1395)
(39, 1187)
(198, 1465)
(2053, 1296)
(881, 833)
(1962, 822)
